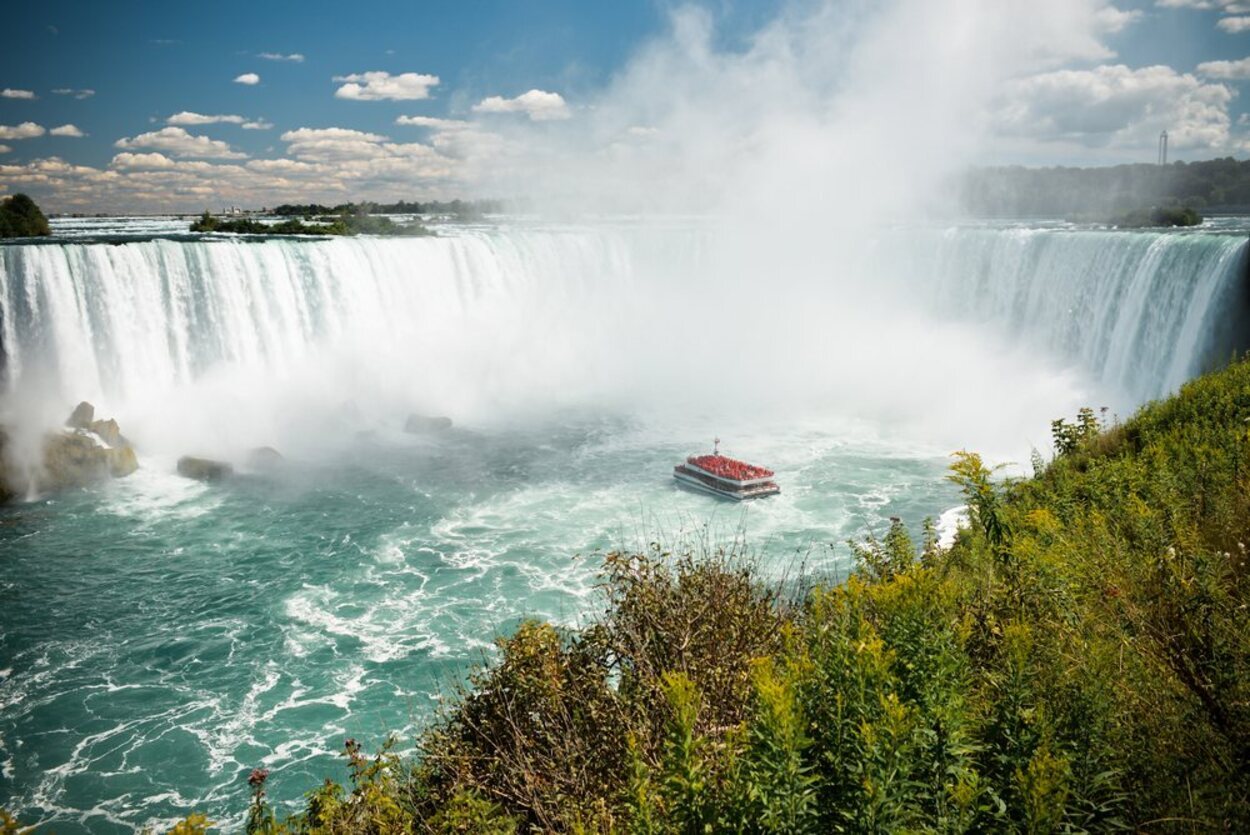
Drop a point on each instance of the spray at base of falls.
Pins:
(222, 345)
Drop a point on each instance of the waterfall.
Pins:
(1142, 311)
(492, 319)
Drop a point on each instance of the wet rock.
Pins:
(85, 451)
(82, 416)
(265, 458)
(203, 469)
(109, 432)
(424, 425)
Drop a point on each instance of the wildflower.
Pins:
(257, 778)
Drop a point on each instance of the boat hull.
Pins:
(701, 482)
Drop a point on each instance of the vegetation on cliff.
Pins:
(20, 217)
(457, 208)
(345, 224)
(1159, 216)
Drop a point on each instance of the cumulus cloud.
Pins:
(294, 57)
(186, 117)
(1111, 20)
(248, 78)
(67, 130)
(10, 93)
(149, 160)
(1115, 106)
(177, 141)
(26, 130)
(380, 86)
(1234, 25)
(539, 105)
(432, 122)
(1226, 69)
(85, 93)
(333, 144)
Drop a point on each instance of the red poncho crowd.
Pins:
(719, 465)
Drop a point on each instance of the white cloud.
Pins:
(85, 93)
(26, 130)
(1228, 6)
(1111, 20)
(248, 78)
(1234, 25)
(1118, 107)
(143, 160)
(178, 142)
(10, 93)
(333, 144)
(1231, 70)
(432, 122)
(310, 134)
(186, 117)
(539, 105)
(380, 86)
(67, 130)
(278, 56)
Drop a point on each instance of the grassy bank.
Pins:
(1078, 660)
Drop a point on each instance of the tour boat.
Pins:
(724, 476)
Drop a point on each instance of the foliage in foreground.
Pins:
(1078, 660)
(20, 217)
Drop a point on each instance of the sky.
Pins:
(129, 106)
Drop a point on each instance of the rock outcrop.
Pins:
(424, 425)
(203, 469)
(83, 452)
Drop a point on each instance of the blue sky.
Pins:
(143, 63)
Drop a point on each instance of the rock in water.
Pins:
(85, 451)
(122, 461)
(423, 425)
(82, 416)
(109, 432)
(264, 458)
(203, 469)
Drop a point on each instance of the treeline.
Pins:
(1212, 185)
(459, 208)
(20, 217)
(1078, 660)
(345, 224)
